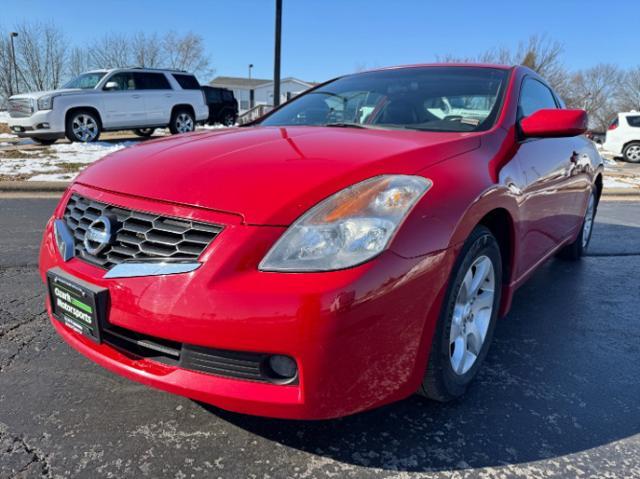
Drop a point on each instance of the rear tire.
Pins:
(631, 152)
(83, 126)
(182, 121)
(144, 132)
(44, 141)
(574, 251)
(229, 119)
(466, 324)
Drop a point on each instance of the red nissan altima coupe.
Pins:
(355, 246)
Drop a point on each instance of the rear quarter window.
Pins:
(634, 121)
(187, 82)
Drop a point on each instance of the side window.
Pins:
(151, 81)
(213, 95)
(187, 82)
(227, 95)
(534, 96)
(634, 121)
(124, 80)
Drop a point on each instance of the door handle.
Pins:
(168, 95)
(135, 96)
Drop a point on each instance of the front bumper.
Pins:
(45, 124)
(360, 336)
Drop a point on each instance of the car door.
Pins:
(157, 94)
(122, 101)
(548, 196)
(214, 102)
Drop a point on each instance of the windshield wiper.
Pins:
(348, 125)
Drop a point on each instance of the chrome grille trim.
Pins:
(139, 236)
(20, 108)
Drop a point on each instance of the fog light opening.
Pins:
(281, 369)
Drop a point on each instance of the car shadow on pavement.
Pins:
(560, 378)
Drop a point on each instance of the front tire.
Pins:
(631, 152)
(574, 251)
(467, 319)
(83, 126)
(182, 121)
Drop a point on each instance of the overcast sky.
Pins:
(322, 39)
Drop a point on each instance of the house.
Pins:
(255, 91)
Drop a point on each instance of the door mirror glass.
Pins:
(554, 123)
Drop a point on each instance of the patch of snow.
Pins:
(55, 157)
(4, 117)
(7, 135)
(609, 183)
(53, 177)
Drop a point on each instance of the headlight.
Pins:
(46, 102)
(348, 228)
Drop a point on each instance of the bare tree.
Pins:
(186, 52)
(596, 90)
(146, 50)
(111, 51)
(79, 61)
(630, 90)
(539, 53)
(41, 53)
(7, 81)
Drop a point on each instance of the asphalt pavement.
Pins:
(557, 397)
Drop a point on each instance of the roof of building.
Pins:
(239, 82)
(242, 82)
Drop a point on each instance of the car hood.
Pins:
(39, 94)
(268, 175)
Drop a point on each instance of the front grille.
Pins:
(20, 108)
(218, 362)
(139, 236)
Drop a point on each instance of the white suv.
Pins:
(623, 136)
(105, 100)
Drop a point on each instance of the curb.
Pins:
(33, 186)
(61, 186)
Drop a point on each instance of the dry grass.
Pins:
(4, 128)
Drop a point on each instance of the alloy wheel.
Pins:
(84, 128)
(633, 153)
(472, 315)
(184, 123)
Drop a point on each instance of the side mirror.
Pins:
(554, 123)
(111, 86)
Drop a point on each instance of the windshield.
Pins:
(454, 99)
(86, 81)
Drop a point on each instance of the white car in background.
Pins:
(135, 99)
(623, 136)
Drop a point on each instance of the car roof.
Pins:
(441, 64)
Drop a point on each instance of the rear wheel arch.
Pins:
(183, 106)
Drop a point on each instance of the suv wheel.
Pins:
(144, 132)
(182, 121)
(83, 126)
(631, 152)
(229, 119)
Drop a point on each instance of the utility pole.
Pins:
(276, 60)
(251, 91)
(12, 35)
